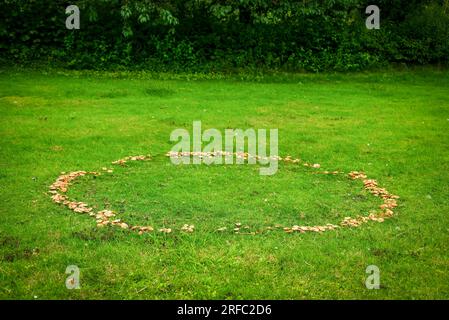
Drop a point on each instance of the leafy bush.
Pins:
(213, 35)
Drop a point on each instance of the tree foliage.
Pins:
(226, 34)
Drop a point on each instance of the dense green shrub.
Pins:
(212, 35)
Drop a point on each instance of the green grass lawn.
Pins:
(394, 126)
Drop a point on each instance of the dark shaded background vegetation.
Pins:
(220, 35)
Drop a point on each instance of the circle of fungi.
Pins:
(108, 217)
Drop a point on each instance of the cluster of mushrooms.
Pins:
(108, 217)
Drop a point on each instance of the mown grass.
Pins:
(392, 125)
